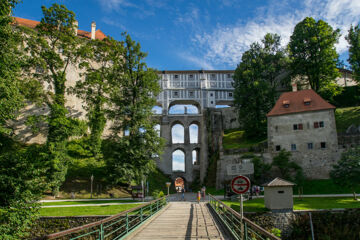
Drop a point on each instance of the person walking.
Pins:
(183, 194)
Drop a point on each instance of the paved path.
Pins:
(181, 220)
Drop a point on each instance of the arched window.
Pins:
(177, 133)
(195, 156)
(194, 133)
(157, 110)
(178, 161)
(183, 109)
(157, 129)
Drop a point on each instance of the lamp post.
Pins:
(92, 179)
(168, 186)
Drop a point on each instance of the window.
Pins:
(286, 105)
(228, 75)
(280, 192)
(191, 76)
(230, 94)
(176, 94)
(276, 128)
(277, 148)
(307, 101)
(211, 94)
(293, 147)
(176, 76)
(213, 76)
(319, 124)
(298, 126)
(323, 144)
(212, 102)
(310, 145)
(191, 94)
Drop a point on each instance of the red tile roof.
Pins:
(296, 101)
(81, 33)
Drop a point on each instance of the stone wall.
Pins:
(230, 117)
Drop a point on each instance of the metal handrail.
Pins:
(241, 228)
(159, 204)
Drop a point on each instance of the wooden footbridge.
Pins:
(169, 218)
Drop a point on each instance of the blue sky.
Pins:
(201, 34)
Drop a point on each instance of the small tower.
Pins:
(278, 195)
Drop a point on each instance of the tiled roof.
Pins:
(81, 33)
(294, 102)
(196, 71)
(278, 182)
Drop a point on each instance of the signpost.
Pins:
(240, 185)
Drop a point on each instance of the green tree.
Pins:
(347, 171)
(353, 39)
(53, 48)
(288, 169)
(103, 59)
(133, 96)
(11, 98)
(256, 81)
(22, 181)
(261, 170)
(314, 57)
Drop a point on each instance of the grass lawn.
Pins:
(324, 186)
(346, 116)
(236, 139)
(257, 205)
(86, 211)
(85, 202)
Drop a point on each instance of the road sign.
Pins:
(240, 184)
(240, 169)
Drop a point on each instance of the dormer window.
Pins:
(307, 101)
(286, 103)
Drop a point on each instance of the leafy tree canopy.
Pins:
(257, 77)
(133, 96)
(347, 171)
(353, 39)
(314, 57)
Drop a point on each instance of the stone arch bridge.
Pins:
(183, 103)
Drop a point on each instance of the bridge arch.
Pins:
(195, 153)
(184, 107)
(177, 132)
(178, 160)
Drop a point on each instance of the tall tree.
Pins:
(103, 59)
(256, 81)
(11, 98)
(21, 175)
(133, 96)
(353, 39)
(54, 47)
(347, 170)
(314, 57)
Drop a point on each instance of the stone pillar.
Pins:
(187, 135)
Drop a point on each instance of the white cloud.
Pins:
(115, 4)
(224, 45)
(177, 133)
(178, 160)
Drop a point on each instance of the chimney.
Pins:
(294, 87)
(93, 29)
(76, 27)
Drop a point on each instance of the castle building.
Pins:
(304, 123)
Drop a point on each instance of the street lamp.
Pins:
(168, 186)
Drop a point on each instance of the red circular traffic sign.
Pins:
(240, 184)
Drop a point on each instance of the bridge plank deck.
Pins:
(182, 220)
